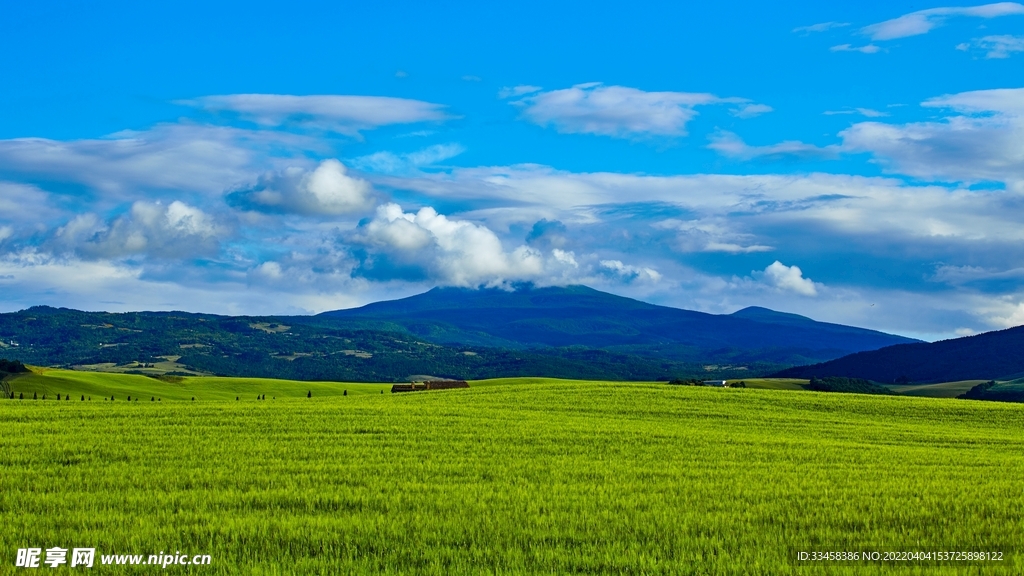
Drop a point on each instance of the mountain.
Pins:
(157, 343)
(578, 316)
(992, 355)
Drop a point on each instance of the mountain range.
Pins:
(997, 355)
(578, 316)
(570, 332)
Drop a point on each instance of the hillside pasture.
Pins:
(100, 385)
(541, 476)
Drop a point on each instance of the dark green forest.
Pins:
(282, 348)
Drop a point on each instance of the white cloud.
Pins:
(344, 114)
(631, 273)
(392, 163)
(729, 144)
(326, 191)
(751, 110)
(1000, 46)
(714, 234)
(517, 91)
(862, 111)
(24, 204)
(867, 49)
(789, 278)
(962, 275)
(820, 27)
(923, 21)
(455, 252)
(616, 111)
(985, 142)
(174, 231)
(180, 157)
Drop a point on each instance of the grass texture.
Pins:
(528, 476)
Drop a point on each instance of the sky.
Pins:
(860, 164)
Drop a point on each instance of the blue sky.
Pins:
(861, 164)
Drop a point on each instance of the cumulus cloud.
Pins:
(392, 163)
(172, 231)
(984, 142)
(343, 114)
(631, 273)
(789, 278)
(729, 144)
(923, 21)
(454, 252)
(327, 190)
(616, 111)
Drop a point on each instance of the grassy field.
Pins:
(101, 385)
(772, 383)
(516, 476)
(939, 390)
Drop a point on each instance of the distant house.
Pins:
(429, 385)
(719, 383)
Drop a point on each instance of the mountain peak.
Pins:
(527, 316)
(771, 316)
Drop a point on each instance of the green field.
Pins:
(939, 390)
(101, 385)
(772, 383)
(513, 476)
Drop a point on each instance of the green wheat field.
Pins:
(517, 476)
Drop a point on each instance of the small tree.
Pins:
(21, 396)
(309, 394)
(34, 397)
(58, 395)
(344, 392)
(83, 397)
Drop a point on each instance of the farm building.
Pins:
(429, 385)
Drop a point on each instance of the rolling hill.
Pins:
(997, 355)
(580, 316)
(184, 344)
(573, 332)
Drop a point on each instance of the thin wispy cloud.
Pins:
(731, 145)
(820, 27)
(924, 21)
(867, 49)
(868, 112)
(619, 111)
(751, 110)
(516, 91)
(982, 141)
(1001, 46)
(395, 163)
(343, 114)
